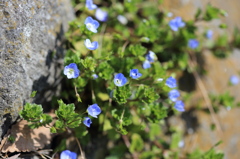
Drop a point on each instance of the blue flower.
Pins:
(123, 20)
(150, 56)
(90, 5)
(209, 34)
(66, 154)
(91, 24)
(234, 80)
(193, 43)
(179, 105)
(176, 23)
(135, 74)
(173, 95)
(94, 110)
(87, 121)
(101, 15)
(71, 71)
(91, 45)
(95, 76)
(171, 82)
(119, 80)
(146, 64)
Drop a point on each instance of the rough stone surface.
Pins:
(31, 33)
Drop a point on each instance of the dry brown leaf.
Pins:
(26, 139)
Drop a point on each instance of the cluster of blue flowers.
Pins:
(177, 23)
(149, 58)
(120, 80)
(174, 94)
(93, 110)
(92, 25)
(71, 70)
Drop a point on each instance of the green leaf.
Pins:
(89, 63)
(31, 112)
(121, 94)
(176, 138)
(223, 26)
(53, 130)
(146, 94)
(67, 116)
(197, 15)
(80, 84)
(211, 13)
(158, 112)
(137, 50)
(59, 124)
(33, 94)
(105, 70)
(137, 143)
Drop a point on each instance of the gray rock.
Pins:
(31, 33)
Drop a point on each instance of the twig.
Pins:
(192, 63)
(125, 45)
(80, 148)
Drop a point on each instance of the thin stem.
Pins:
(125, 45)
(192, 63)
(93, 94)
(80, 148)
(107, 111)
(101, 39)
(77, 95)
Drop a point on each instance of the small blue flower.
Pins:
(94, 110)
(71, 71)
(193, 43)
(176, 23)
(209, 34)
(87, 121)
(119, 80)
(179, 105)
(123, 20)
(66, 154)
(101, 15)
(91, 45)
(135, 74)
(173, 95)
(151, 56)
(90, 5)
(171, 82)
(95, 76)
(91, 24)
(234, 80)
(146, 64)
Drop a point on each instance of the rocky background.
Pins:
(31, 34)
(197, 123)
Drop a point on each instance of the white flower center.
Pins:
(118, 81)
(71, 71)
(134, 74)
(89, 26)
